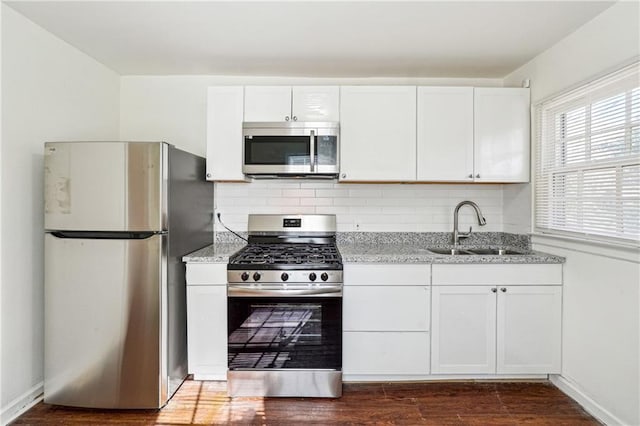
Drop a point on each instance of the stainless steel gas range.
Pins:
(285, 309)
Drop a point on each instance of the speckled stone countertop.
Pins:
(412, 247)
(214, 253)
(399, 247)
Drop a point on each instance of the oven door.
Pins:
(284, 150)
(284, 346)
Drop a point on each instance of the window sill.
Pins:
(621, 251)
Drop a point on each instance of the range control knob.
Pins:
(284, 276)
(256, 276)
(244, 276)
(312, 276)
(324, 276)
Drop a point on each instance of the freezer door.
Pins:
(105, 322)
(105, 186)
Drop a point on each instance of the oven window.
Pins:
(283, 333)
(277, 150)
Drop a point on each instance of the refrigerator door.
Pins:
(105, 322)
(105, 186)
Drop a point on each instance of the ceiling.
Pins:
(316, 38)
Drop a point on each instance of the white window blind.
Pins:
(587, 180)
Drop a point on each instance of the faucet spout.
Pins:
(481, 221)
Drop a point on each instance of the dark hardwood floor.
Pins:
(453, 403)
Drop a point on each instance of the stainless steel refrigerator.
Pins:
(118, 218)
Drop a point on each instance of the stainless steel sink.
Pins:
(475, 251)
(449, 251)
(499, 252)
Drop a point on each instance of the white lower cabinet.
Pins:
(385, 308)
(385, 353)
(528, 329)
(207, 321)
(463, 330)
(386, 321)
(496, 329)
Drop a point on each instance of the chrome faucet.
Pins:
(457, 234)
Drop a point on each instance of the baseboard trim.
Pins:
(590, 406)
(21, 404)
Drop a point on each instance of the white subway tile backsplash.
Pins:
(333, 193)
(365, 207)
(316, 201)
(291, 193)
(274, 201)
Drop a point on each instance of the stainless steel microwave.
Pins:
(292, 148)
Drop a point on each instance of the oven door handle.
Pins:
(239, 291)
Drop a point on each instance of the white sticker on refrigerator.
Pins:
(57, 185)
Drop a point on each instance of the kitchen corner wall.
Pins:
(363, 207)
(50, 91)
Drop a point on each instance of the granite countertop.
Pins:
(214, 253)
(360, 247)
(417, 253)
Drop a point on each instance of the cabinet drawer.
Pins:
(497, 274)
(206, 274)
(386, 353)
(386, 308)
(386, 274)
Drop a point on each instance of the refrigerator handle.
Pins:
(106, 235)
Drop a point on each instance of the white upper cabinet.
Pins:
(267, 103)
(315, 103)
(378, 133)
(445, 134)
(473, 134)
(224, 133)
(501, 134)
(297, 103)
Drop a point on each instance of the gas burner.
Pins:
(287, 254)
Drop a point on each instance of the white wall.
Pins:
(601, 299)
(50, 91)
(173, 108)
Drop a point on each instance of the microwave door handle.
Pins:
(312, 158)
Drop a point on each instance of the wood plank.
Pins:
(435, 403)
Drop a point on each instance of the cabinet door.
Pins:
(463, 330)
(207, 332)
(316, 103)
(386, 308)
(267, 103)
(378, 133)
(501, 134)
(445, 134)
(224, 133)
(529, 329)
(385, 353)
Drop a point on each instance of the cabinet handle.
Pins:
(471, 176)
(504, 290)
(208, 175)
(493, 290)
(286, 118)
(478, 175)
(295, 118)
(344, 175)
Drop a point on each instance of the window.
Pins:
(587, 180)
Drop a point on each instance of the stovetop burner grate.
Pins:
(287, 254)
